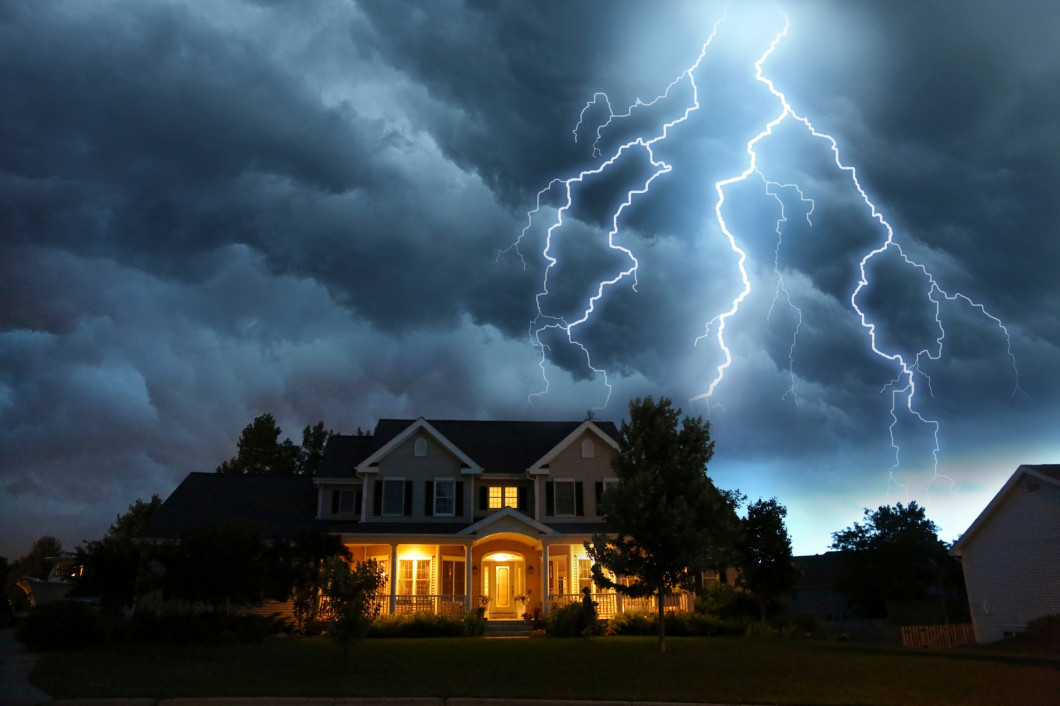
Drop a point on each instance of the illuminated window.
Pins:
(393, 497)
(503, 496)
(444, 497)
(585, 575)
(453, 577)
(414, 577)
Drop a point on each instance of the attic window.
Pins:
(587, 449)
(421, 446)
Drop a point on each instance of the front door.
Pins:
(502, 589)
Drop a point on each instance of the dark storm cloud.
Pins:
(209, 211)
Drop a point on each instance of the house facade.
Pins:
(1011, 554)
(460, 515)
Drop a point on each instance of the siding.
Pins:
(402, 462)
(1012, 565)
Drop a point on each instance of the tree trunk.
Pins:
(662, 623)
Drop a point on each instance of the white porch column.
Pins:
(544, 578)
(393, 576)
(467, 578)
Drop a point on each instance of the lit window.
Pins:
(564, 499)
(585, 575)
(503, 496)
(414, 577)
(444, 497)
(393, 497)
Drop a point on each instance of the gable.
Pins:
(572, 448)
(1026, 479)
(404, 444)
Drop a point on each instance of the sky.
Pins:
(345, 211)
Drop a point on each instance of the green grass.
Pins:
(719, 670)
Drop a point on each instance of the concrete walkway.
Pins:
(15, 665)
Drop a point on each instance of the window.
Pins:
(393, 497)
(444, 497)
(564, 498)
(585, 575)
(453, 577)
(587, 449)
(421, 446)
(414, 577)
(345, 502)
(503, 496)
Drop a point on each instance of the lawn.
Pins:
(719, 670)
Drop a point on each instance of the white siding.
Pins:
(1012, 564)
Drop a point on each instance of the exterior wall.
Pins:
(403, 463)
(570, 465)
(1012, 564)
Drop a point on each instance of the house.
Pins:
(1011, 554)
(459, 514)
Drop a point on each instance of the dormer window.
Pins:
(587, 449)
(421, 446)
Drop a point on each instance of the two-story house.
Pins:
(460, 514)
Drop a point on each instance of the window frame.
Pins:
(400, 482)
(570, 483)
(438, 484)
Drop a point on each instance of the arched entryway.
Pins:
(504, 581)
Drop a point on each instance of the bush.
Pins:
(426, 625)
(568, 621)
(203, 628)
(678, 624)
(63, 625)
(726, 601)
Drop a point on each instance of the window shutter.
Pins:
(428, 504)
(483, 498)
(599, 494)
(358, 501)
(550, 498)
(520, 502)
(408, 499)
(579, 499)
(459, 498)
(377, 498)
(334, 502)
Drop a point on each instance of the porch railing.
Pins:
(438, 604)
(608, 604)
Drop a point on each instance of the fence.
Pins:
(937, 636)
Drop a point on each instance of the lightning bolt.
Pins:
(904, 388)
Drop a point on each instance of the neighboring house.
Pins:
(1011, 554)
(815, 592)
(460, 514)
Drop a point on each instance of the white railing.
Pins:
(608, 604)
(438, 604)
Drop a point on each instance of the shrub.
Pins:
(568, 621)
(62, 625)
(203, 628)
(677, 624)
(726, 601)
(426, 625)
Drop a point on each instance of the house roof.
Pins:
(278, 505)
(1049, 473)
(495, 447)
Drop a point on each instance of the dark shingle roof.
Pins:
(498, 447)
(278, 505)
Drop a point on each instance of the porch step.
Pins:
(507, 628)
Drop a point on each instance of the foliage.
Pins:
(62, 625)
(725, 601)
(202, 627)
(350, 591)
(896, 556)
(568, 621)
(112, 564)
(224, 566)
(36, 563)
(678, 623)
(767, 569)
(426, 625)
(305, 559)
(666, 521)
(260, 451)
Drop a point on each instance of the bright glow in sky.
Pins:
(212, 212)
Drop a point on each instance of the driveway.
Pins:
(15, 665)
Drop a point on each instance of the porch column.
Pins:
(544, 578)
(467, 579)
(393, 576)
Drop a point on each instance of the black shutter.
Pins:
(550, 498)
(377, 499)
(599, 494)
(408, 499)
(459, 498)
(521, 498)
(579, 499)
(483, 498)
(428, 504)
(334, 502)
(358, 501)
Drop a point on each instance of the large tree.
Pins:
(666, 521)
(260, 451)
(895, 555)
(767, 569)
(112, 564)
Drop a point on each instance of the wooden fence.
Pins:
(937, 636)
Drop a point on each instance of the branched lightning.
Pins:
(909, 372)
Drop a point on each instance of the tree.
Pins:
(350, 591)
(895, 555)
(112, 564)
(307, 558)
(767, 569)
(666, 521)
(260, 450)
